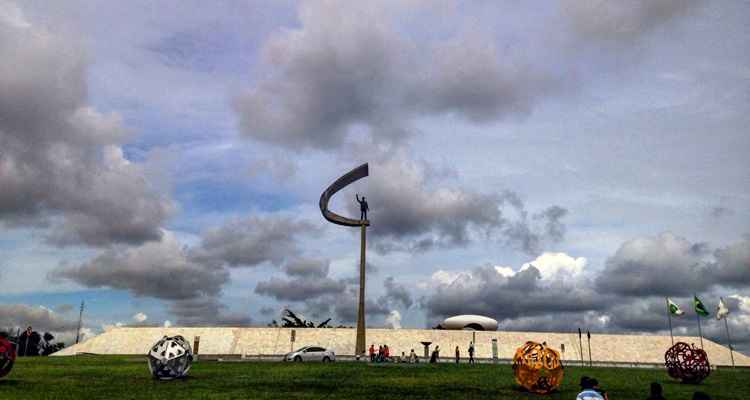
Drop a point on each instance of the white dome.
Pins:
(471, 322)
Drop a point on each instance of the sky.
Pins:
(551, 164)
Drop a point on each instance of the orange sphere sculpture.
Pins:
(537, 368)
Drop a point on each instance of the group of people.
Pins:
(382, 355)
(30, 343)
(470, 350)
(590, 390)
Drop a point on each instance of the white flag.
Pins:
(721, 310)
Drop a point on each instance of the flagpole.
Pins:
(580, 345)
(699, 328)
(588, 336)
(669, 318)
(729, 339)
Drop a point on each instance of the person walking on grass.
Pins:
(655, 392)
(471, 352)
(458, 355)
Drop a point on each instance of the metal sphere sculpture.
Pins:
(687, 363)
(7, 356)
(537, 368)
(170, 358)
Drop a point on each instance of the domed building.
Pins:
(469, 322)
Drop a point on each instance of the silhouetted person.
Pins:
(363, 207)
(458, 355)
(655, 392)
(471, 352)
(372, 352)
(435, 355)
(28, 343)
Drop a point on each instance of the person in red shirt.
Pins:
(372, 352)
(386, 351)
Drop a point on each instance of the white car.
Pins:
(311, 353)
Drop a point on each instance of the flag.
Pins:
(674, 308)
(700, 309)
(721, 310)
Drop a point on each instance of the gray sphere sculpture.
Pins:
(170, 358)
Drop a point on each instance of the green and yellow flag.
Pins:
(700, 309)
(674, 308)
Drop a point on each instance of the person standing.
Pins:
(28, 343)
(458, 355)
(372, 352)
(363, 207)
(412, 357)
(435, 355)
(471, 352)
(386, 352)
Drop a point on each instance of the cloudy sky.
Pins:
(553, 165)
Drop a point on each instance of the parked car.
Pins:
(311, 353)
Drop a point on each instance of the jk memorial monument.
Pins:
(346, 179)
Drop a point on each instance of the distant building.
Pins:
(469, 322)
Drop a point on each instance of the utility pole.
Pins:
(80, 321)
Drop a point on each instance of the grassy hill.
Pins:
(107, 377)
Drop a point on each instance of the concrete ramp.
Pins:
(605, 348)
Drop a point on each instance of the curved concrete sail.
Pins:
(346, 179)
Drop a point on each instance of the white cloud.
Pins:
(167, 323)
(394, 319)
(140, 317)
(553, 266)
(504, 271)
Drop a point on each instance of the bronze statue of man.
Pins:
(363, 207)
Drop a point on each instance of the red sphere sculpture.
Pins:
(7, 356)
(687, 363)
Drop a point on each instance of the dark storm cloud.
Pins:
(192, 278)
(60, 159)
(156, 269)
(554, 228)
(64, 308)
(613, 299)
(732, 265)
(485, 292)
(345, 308)
(414, 215)
(669, 265)
(322, 81)
(206, 311)
(621, 21)
(397, 293)
(307, 268)
(40, 318)
(299, 289)
(252, 240)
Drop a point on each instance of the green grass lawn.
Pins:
(99, 377)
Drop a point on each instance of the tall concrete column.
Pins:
(361, 335)
(351, 176)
